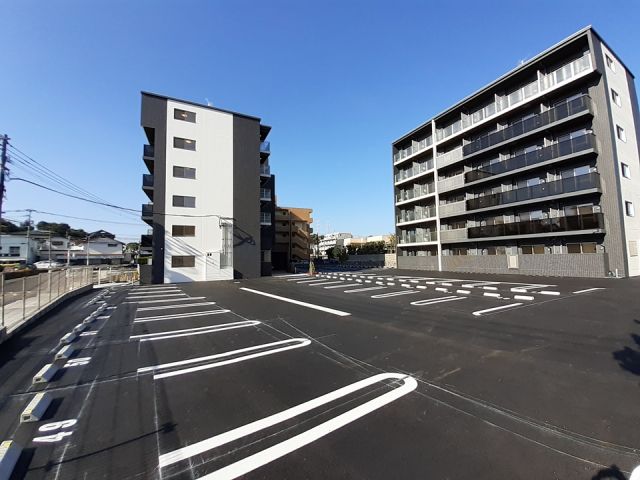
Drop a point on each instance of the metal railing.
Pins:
(265, 193)
(265, 146)
(561, 149)
(417, 169)
(147, 210)
(557, 113)
(454, 235)
(148, 151)
(411, 236)
(450, 183)
(416, 146)
(449, 158)
(417, 214)
(417, 191)
(590, 221)
(453, 208)
(147, 180)
(557, 187)
(265, 170)
(22, 298)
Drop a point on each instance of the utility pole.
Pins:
(26, 258)
(3, 168)
(68, 248)
(87, 250)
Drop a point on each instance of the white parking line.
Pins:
(297, 277)
(343, 286)
(324, 282)
(167, 300)
(296, 343)
(313, 280)
(148, 337)
(431, 301)
(160, 295)
(291, 275)
(281, 449)
(364, 289)
(394, 294)
(183, 305)
(588, 290)
(297, 302)
(153, 290)
(548, 292)
(481, 312)
(179, 315)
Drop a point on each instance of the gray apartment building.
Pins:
(211, 192)
(536, 173)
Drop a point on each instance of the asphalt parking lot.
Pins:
(364, 375)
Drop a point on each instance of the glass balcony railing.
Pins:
(447, 209)
(416, 146)
(454, 235)
(575, 145)
(265, 147)
(414, 171)
(417, 214)
(419, 236)
(147, 210)
(265, 218)
(559, 112)
(590, 221)
(265, 194)
(148, 151)
(417, 191)
(265, 170)
(147, 180)
(548, 189)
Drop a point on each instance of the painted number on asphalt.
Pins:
(77, 362)
(53, 426)
(52, 438)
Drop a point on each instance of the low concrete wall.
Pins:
(418, 263)
(390, 260)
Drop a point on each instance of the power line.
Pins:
(78, 218)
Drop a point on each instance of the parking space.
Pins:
(350, 375)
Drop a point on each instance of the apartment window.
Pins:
(14, 251)
(628, 207)
(184, 115)
(532, 249)
(226, 253)
(626, 171)
(184, 172)
(180, 201)
(183, 261)
(586, 247)
(57, 243)
(610, 62)
(616, 98)
(183, 231)
(621, 134)
(112, 245)
(184, 143)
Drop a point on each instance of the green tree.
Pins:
(329, 252)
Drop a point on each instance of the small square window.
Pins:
(628, 206)
(610, 62)
(573, 248)
(626, 171)
(616, 98)
(621, 134)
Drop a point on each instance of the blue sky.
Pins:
(337, 80)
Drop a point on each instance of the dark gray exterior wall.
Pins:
(154, 115)
(246, 197)
(268, 232)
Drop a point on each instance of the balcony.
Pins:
(265, 218)
(265, 147)
(450, 209)
(147, 213)
(415, 193)
(265, 170)
(146, 241)
(590, 181)
(451, 183)
(524, 126)
(416, 215)
(449, 158)
(265, 194)
(590, 221)
(416, 147)
(411, 237)
(583, 143)
(147, 185)
(148, 151)
(452, 236)
(414, 172)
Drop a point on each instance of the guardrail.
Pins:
(23, 298)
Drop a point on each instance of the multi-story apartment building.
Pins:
(211, 191)
(332, 240)
(293, 236)
(536, 173)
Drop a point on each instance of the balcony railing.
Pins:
(417, 191)
(559, 112)
(265, 194)
(148, 151)
(450, 183)
(265, 147)
(418, 237)
(455, 235)
(561, 149)
(265, 170)
(414, 171)
(416, 146)
(146, 241)
(558, 187)
(454, 208)
(590, 221)
(449, 158)
(147, 180)
(265, 218)
(417, 214)
(147, 210)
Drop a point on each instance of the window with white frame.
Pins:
(621, 133)
(629, 210)
(626, 171)
(616, 98)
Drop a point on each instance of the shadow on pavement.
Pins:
(629, 358)
(612, 472)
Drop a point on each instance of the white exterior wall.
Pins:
(627, 153)
(26, 254)
(212, 188)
